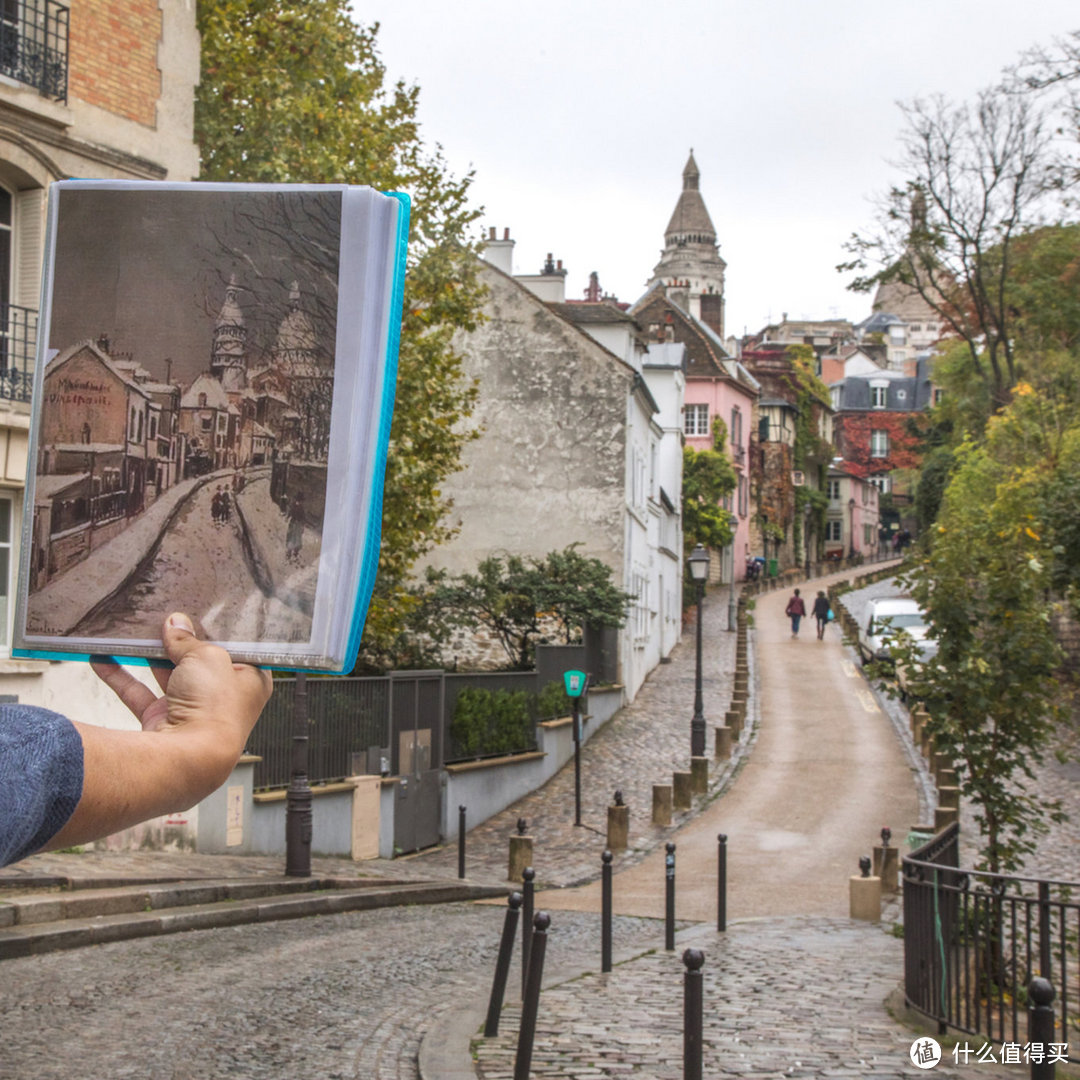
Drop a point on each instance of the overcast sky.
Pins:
(578, 118)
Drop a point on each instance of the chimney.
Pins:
(500, 253)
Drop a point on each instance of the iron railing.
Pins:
(34, 46)
(18, 341)
(346, 717)
(973, 941)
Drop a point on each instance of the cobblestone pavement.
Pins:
(345, 996)
(640, 746)
(782, 998)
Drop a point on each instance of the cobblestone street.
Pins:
(359, 995)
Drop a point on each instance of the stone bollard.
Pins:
(944, 816)
(947, 778)
(682, 791)
(661, 804)
(723, 742)
(734, 722)
(618, 824)
(738, 703)
(887, 863)
(941, 763)
(521, 852)
(865, 894)
(949, 797)
(699, 775)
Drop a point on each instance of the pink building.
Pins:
(716, 387)
(851, 527)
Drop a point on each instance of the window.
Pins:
(834, 395)
(882, 483)
(879, 396)
(898, 358)
(744, 496)
(834, 490)
(938, 395)
(736, 427)
(834, 530)
(696, 419)
(879, 443)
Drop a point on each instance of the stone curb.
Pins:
(75, 933)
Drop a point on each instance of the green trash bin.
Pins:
(774, 567)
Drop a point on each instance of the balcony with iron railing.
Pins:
(34, 46)
(18, 342)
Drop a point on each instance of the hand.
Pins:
(190, 741)
(204, 690)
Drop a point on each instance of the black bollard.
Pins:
(721, 883)
(669, 897)
(605, 912)
(692, 1014)
(528, 890)
(502, 965)
(1041, 1025)
(461, 842)
(530, 1004)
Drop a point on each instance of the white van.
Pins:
(885, 617)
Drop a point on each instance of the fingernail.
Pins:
(181, 622)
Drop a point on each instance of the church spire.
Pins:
(690, 269)
(228, 359)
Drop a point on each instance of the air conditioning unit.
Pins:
(798, 477)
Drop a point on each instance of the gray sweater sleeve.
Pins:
(41, 778)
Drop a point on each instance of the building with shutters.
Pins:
(94, 89)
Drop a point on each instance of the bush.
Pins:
(488, 722)
(552, 702)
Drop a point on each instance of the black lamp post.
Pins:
(806, 538)
(851, 538)
(699, 571)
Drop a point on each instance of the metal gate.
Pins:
(416, 728)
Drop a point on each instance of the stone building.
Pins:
(571, 450)
(69, 109)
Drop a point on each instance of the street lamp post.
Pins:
(699, 571)
(851, 538)
(731, 607)
(806, 537)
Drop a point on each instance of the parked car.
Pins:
(885, 618)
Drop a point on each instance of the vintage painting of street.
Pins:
(185, 414)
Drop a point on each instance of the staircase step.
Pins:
(72, 933)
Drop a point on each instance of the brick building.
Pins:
(94, 89)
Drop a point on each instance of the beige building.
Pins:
(68, 108)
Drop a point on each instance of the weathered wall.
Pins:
(548, 469)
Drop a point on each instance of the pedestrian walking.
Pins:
(215, 506)
(225, 506)
(795, 611)
(821, 613)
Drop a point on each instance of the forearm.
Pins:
(130, 776)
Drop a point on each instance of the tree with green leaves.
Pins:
(991, 686)
(518, 599)
(708, 478)
(295, 92)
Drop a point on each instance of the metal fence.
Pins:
(346, 717)
(973, 942)
(18, 340)
(34, 45)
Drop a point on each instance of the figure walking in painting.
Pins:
(225, 506)
(215, 506)
(294, 537)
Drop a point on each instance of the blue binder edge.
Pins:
(373, 534)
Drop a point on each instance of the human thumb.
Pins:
(178, 636)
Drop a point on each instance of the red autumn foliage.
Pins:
(853, 432)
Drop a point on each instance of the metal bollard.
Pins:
(605, 912)
(721, 883)
(1041, 1025)
(461, 841)
(502, 965)
(692, 1014)
(669, 897)
(528, 890)
(530, 1004)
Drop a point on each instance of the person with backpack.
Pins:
(795, 611)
